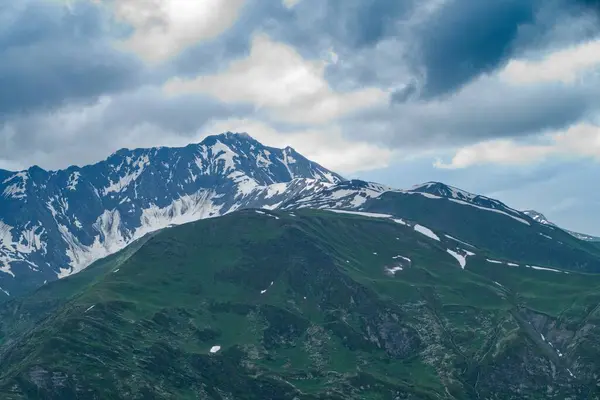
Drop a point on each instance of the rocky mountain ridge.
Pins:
(55, 223)
(541, 218)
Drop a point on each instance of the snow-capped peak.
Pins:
(443, 190)
(84, 213)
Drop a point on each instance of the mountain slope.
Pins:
(541, 218)
(54, 223)
(304, 305)
(479, 221)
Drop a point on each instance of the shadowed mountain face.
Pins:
(304, 304)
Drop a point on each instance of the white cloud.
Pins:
(11, 165)
(163, 28)
(290, 3)
(326, 146)
(86, 134)
(276, 79)
(581, 140)
(565, 65)
(501, 151)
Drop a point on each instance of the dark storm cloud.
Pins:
(486, 109)
(356, 23)
(53, 55)
(381, 43)
(593, 5)
(441, 64)
(466, 38)
(376, 38)
(56, 59)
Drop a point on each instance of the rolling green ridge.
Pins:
(530, 242)
(304, 305)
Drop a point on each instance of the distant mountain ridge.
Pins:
(481, 222)
(541, 218)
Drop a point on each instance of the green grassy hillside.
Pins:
(514, 238)
(303, 305)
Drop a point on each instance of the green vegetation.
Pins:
(498, 233)
(303, 306)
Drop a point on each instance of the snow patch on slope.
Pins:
(185, 209)
(393, 270)
(18, 185)
(545, 269)
(266, 214)
(426, 231)
(462, 260)
(73, 181)
(245, 184)
(460, 241)
(276, 189)
(112, 236)
(370, 215)
(124, 181)
(222, 152)
(342, 196)
(364, 214)
(30, 241)
(521, 220)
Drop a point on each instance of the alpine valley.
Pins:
(232, 270)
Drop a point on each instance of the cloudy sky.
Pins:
(500, 97)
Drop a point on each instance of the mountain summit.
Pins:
(54, 223)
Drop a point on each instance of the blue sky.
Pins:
(498, 97)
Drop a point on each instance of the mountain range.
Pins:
(55, 223)
(232, 270)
